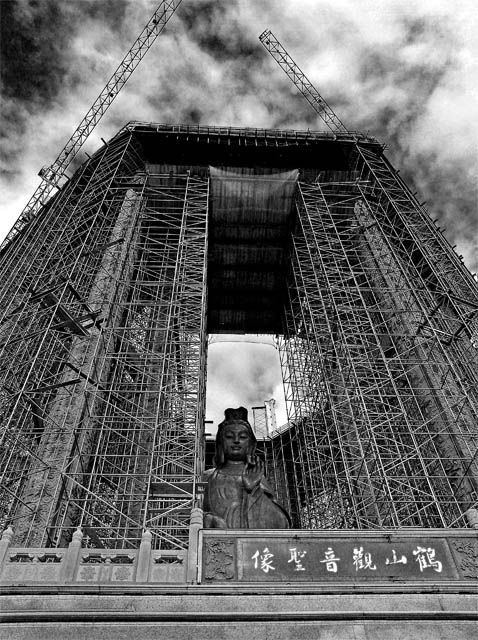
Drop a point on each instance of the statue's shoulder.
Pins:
(207, 475)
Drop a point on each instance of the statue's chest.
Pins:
(227, 488)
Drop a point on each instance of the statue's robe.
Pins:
(228, 505)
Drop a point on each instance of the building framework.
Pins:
(380, 367)
(170, 233)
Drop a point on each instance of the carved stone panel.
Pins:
(219, 562)
(466, 556)
(169, 569)
(32, 566)
(102, 567)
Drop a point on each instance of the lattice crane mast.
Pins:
(51, 176)
(305, 86)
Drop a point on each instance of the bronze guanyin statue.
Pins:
(237, 494)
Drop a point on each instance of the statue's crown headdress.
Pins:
(236, 415)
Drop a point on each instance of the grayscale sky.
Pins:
(404, 71)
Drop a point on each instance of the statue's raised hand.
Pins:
(253, 473)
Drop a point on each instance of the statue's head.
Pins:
(235, 439)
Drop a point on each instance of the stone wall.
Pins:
(219, 587)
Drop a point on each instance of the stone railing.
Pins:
(76, 565)
(348, 557)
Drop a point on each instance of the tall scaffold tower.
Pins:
(103, 343)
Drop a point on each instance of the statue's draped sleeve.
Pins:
(263, 510)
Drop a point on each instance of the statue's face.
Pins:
(236, 441)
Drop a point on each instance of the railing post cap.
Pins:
(7, 533)
(472, 517)
(196, 516)
(78, 535)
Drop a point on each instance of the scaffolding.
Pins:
(379, 360)
(103, 337)
(264, 419)
(103, 347)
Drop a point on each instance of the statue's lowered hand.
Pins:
(211, 521)
(253, 473)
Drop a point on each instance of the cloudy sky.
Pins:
(404, 71)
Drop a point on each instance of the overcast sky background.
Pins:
(404, 71)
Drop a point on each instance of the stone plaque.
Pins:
(318, 558)
(309, 559)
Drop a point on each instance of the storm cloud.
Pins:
(404, 72)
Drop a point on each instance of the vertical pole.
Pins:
(144, 557)
(193, 549)
(5, 542)
(70, 561)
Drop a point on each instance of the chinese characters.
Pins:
(426, 559)
(362, 560)
(283, 559)
(263, 561)
(330, 561)
(296, 557)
